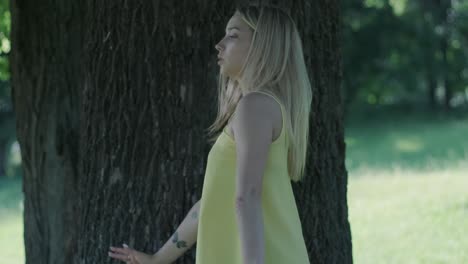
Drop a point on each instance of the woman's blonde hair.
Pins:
(275, 65)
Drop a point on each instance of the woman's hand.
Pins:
(132, 256)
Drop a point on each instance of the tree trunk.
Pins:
(322, 198)
(149, 75)
(149, 96)
(45, 82)
(431, 88)
(445, 71)
(442, 10)
(3, 155)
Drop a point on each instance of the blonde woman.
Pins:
(247, 213)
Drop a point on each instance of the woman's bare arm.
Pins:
(183, 238)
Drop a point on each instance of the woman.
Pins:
(247, 213)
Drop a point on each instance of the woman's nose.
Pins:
(218, 46)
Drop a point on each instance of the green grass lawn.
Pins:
(408, 187)
(406, 140)
(11, 221)
(410, 217)
(407, 193)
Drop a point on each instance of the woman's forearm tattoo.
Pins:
(194, 214)
(179, 243)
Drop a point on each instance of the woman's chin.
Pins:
(225, 72)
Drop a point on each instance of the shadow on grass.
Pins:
(11, 195)
(383, 138)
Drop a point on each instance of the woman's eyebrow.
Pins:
(232, 28)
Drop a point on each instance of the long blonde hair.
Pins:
(274, 64)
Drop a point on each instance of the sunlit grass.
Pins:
(11, 238)
(408, 187)
(11, 221)
(408, 216)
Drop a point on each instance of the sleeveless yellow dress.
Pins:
(218, 236)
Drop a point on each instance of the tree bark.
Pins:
(322, 197)
(149, 96)
(45, 83)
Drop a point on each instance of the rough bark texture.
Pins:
(322, 197)
(149, 96)
(45, 83)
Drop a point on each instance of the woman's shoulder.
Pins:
(258, 111)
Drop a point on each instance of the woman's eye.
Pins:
(232, 36)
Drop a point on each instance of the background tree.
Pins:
(405, 52)
(7, 135)
(46, 82)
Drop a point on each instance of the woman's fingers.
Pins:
(120, 250)
(118, 256)
(127, 254)
(121, 253)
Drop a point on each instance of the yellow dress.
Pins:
(218, 237)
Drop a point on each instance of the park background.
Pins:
(405, 92)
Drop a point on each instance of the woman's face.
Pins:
(233, 48)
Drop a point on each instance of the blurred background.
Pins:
(405, 92)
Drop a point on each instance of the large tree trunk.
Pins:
(322, 198)
(149, 93)
(149, 96)
(45, 83)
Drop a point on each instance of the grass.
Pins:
(408, 140)
(408, 186)
(407, 193)
(11, 221)
(409, 217)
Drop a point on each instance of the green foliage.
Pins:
(7, 127)
(5, 26)
(392, 47)
(5, 46)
